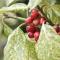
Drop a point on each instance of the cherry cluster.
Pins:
(33, 21)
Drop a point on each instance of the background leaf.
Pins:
(47, 47)
(2, 3)
(12, 20)
(19, 7)
(51, 9)
(33, 3)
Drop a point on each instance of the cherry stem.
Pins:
(22, 24)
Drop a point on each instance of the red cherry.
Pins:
(59, 33)
(30, 34)
(34, 13)
(28, 20)
(36, 35)
(30, 28)
(36, 22)
(57, 29)
(42, 20)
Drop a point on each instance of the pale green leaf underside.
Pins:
(19, 48)
(30, 44)
(15, 49)
(48, 45)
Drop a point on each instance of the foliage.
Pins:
(14, 42)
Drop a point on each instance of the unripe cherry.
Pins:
(30, 34)
(30, 28)
(34, 13)
(28, 20)
(42, 20)
(36, 35)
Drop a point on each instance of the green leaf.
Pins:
(1, 27)
(2, 3)
(33, 3)
(52, 10)
(19, 7)
(1, 24)
(48, 45)
(13, 23)
(3, 40)
(12, 20)
(18, 48)
(7, 30)
(15, 49)
(9, 2)
(30, 43)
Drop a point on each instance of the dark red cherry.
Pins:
(36, 35)
(34, 13)
(28, 20)
(30, 34)
(42, 20)
(30, 28)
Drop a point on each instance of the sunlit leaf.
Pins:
(18, 47)
(30, 44)
(48, 45)
(9, 2)
(33, 3)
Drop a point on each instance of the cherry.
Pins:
(42, 20)
(59, 33)
(28, 20)
(30, 34)
(30, 28)
(57, 28)
(36, 22)
(34, 13)
(36, 35)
